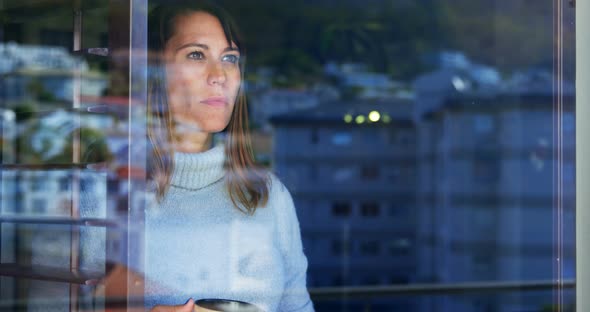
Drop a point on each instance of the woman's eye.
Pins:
(234, 59)
(196, 55)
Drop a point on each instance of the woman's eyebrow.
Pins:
(204, 47)
(228, 49)
(198, 45)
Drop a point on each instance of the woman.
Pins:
(223, 228)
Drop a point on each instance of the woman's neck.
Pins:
(195, 142)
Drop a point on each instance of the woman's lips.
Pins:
(215, 101)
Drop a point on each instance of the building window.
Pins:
(112, 186)
(64, 184)
(343, 174)
(38, 182)
(86, 184)
(370, 209)
(396, 210)
(315, 138)
(341, 139)
(400, 246)
(486, 166)
(341, 247)
(483, 124)
(39, 206)
(369, 173)
(370, 248)
(482, 261)
(341, 209)
(122, 202)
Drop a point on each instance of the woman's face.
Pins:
(203, 73)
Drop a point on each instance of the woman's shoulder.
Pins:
(280, 200)
(276, 187)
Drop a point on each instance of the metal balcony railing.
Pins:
(368, 292)
(336, 293)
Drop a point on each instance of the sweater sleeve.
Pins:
(295, 296)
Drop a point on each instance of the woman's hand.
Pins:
(187, 307)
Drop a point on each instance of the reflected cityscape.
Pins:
(441, 172)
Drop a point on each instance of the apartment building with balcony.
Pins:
(488, 195)
(350, 167)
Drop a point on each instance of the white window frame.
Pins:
(582, 155)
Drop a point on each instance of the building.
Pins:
(44, 193)
(351, 169)
(487, 196)
(45, 74)
(462, 189)
(8, 128)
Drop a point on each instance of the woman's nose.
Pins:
(216, 73)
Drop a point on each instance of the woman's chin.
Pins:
(214, 127)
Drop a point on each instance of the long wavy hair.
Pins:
(246, 183)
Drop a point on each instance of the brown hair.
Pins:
(247, 184)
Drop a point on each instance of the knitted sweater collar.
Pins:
(194, 171)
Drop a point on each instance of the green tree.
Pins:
(39, 92)
(25, 111)
(36, 149)
(93, 147)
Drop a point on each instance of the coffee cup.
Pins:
(224, 305)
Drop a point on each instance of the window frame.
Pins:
(582, 154)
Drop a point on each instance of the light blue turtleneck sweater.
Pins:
(198, 245)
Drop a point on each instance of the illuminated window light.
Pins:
(348, 118)
(360, 119)
(386, 118)
(374, 116)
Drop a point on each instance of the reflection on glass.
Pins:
(418, 140)
(58, 219)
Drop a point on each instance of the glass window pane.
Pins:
(66, 119)
(425, 147)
